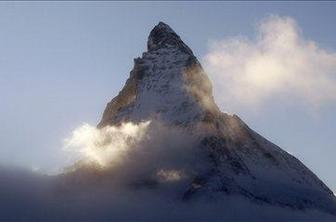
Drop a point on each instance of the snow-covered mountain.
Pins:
(164, 151)
(169, 85)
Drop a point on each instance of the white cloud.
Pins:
(136, 151)
(106, 146)
(278, 62)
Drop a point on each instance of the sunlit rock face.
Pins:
(169, 85)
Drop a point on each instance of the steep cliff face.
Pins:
(169, 85)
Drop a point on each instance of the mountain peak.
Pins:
(163, 36)
(168, 84)
(163, 27)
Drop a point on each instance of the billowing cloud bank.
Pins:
(143, 171)
(278, 62)
(106, 146)
(136, 152)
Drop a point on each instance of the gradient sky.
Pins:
(61, 62)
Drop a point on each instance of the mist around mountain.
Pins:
(29, 196)
(163, 151)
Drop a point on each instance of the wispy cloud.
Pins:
(278, 62)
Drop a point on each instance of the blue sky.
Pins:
(61, 62)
